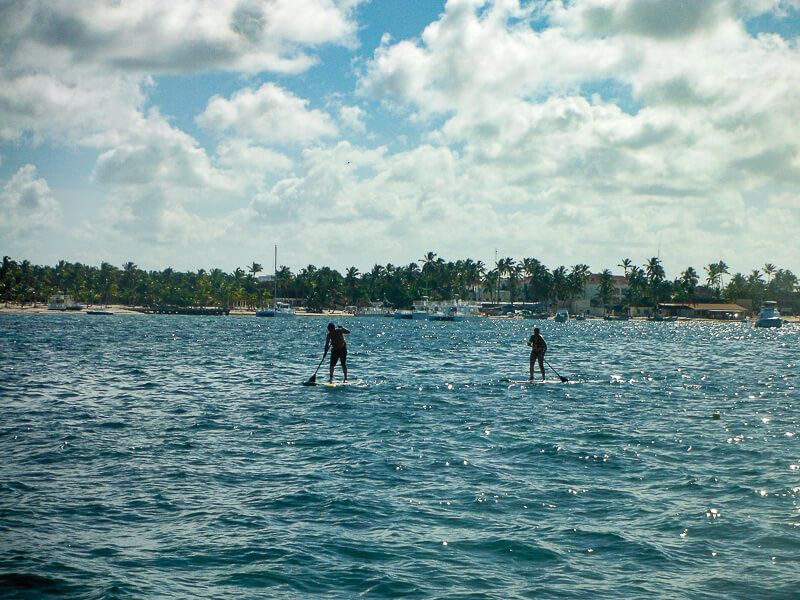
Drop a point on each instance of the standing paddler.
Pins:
(538, 348)
(335, 340)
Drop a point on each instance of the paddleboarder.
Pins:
(538, 348)
(335, 340)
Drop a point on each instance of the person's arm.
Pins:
(530, 341)
(327, 343)
(344, 330)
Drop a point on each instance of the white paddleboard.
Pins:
(337, 384)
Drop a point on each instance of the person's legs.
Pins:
(334, 357)
(533, 365)
(541, 364)
(343, 361)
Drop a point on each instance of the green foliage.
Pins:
(398, 286)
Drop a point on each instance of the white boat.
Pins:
(769, 315)
(375, 309)
(279, 309)
(63, 302)
(421, 308)
(562, 316)
(448, 314)
(454, 311)
(465, 310)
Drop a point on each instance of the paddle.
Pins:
(313, 379)
(563, 379)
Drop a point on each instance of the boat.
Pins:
(465, 310)
(279, 309)
(616, 317)
(447, 314)
(561, 316)
(454, 310)
(403, 314)
(529, 314)
(769, 315)
(662, 318)
(421, 308)
(168, 309)
(375, 309)
(63, 302)
(99, 312)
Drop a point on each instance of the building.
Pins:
(589, 304)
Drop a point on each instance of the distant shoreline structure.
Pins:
(506, 286)
(112, 309)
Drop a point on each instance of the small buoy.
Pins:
(715, 415)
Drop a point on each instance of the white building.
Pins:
(589, 303)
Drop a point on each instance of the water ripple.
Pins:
(180, 457)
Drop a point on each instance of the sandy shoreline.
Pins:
(118, 309)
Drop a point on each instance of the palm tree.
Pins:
(769, 270)
(351, 280)
(558, 289)
(715, 272)
(129, 279)
(529, 267)
(723, 270)
(490, 283)
(255, 269)
(428, 263)
(505, 266)
(605, 291)
(626, 265)
(655, 275)
(576, 282)
(688, 283)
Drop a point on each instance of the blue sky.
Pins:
(353, 132)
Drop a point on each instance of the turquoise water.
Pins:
(147, 456)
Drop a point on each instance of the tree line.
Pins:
(526, 280)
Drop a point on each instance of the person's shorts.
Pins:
(337, 354)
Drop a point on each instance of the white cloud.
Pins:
(158, 154)
(618, 125)
(73, 71)
(352, 118)
(239, 155)
(185, 36)
(27, 203)
(269, 114)
(713, 113)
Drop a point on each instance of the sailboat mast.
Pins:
(275, 277)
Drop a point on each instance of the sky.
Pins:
(193, 134)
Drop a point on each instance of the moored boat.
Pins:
(63, 302)
(375, 309)
(279, 309)
(769, 315)
(421, 308)
(561, 316)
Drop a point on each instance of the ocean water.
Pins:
(147, 456)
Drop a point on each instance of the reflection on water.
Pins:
(180, 456)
